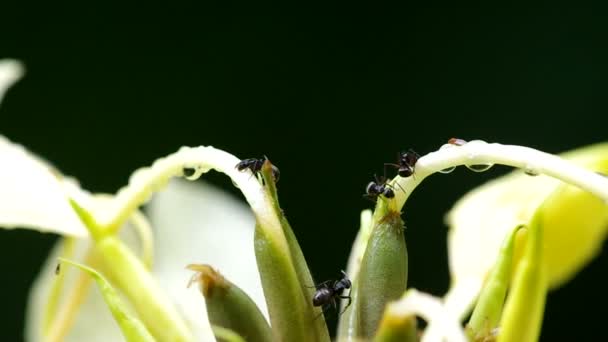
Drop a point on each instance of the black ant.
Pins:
(328, 291)
(379, 187)
(405, 163)
(255, 165)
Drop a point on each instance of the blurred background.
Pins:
(329, 92)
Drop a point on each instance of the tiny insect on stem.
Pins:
(330, 290)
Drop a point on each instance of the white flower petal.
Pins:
(34, 195)
(198, 223)
(431, 309)
(10, 72)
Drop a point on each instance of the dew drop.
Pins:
(531, 172)
(192, 172)
(448, 170)
(479, 167)
(189, 171)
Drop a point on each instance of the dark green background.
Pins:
(329, 91)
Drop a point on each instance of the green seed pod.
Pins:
(383, 274)
(229, 307)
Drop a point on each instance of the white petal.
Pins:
(431, 309)
(198, 223)
(34, 194)
(10, 72)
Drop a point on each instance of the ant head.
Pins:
(345, 279)
(409, 158)
(389, 193)
(369, 189)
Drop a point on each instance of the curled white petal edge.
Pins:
(430, 309)
(10, 72)
(34, 195)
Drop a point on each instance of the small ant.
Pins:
(255, 165)
(328, 291)
(405, 163)
(379, 187)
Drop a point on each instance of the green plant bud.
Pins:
(395, 328)
(383, 273)
(229, 307)
(286, 280)
(348, 320)
(489, 306)
(226, 335)
(525, 305)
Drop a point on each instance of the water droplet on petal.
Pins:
(531, 172)
(192, 172)
(189, 171)
(479, 167)
(448, 170)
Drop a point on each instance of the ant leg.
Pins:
(400, 187)
(390, 164)
(347, 305)
(376, 179)
(370, 198)
(323, 309)
(319, 285)
(384, 170)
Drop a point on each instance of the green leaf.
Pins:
(132, 328)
